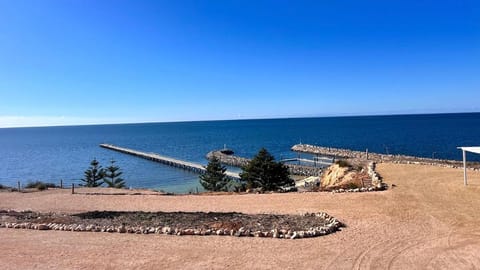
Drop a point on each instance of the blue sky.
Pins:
(79, 62)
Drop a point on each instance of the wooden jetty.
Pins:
(185, 165)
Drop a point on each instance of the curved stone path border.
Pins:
(331, 226)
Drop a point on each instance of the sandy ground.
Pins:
(428, 221)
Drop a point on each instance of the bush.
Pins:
(352, 185)
(3, 187)
(343, 163)
(40, 185)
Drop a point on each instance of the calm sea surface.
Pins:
(54, 153)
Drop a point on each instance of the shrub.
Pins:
(352, 185)
(343, 163)
(39, 185)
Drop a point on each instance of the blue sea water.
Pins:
(53, 153)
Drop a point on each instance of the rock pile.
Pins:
(377, 181)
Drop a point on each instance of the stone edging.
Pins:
(332, 225)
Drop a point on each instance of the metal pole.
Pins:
(73, 188)
(18, 184)
(464, 167)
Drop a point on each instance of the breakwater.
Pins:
(236, 161)
(182, 164)
(376, 157)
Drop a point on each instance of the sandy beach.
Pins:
(429, 220)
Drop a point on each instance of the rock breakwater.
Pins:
(376, 157)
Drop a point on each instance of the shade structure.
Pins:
(465, 149)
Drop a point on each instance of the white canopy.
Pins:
(472, 149)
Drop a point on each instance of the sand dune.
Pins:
(429, 220)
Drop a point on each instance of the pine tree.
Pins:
(215, 179)
(263, 172)
(93, 175)
(112, 176)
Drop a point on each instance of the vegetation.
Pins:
(265, 173)
(215, 179)
(112, 176)
(39, 185)
(343, 163)
(352, 185)
(93, 175)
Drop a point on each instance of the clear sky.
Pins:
(77, 62)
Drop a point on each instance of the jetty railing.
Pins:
(182, 164)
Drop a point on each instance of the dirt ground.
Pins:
(429, 220)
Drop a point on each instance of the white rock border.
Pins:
(332, 225)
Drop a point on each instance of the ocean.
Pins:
(53, 153)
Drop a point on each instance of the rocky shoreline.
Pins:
(311, 224)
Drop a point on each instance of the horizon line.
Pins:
(242, 119)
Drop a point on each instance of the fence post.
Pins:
(18, 185)
(61, 183)
(73, 188)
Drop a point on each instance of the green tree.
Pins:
(265, 173)
(215, 179)
(112, 176)
(93, 175)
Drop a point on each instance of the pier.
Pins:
(182, 164)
